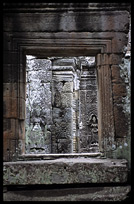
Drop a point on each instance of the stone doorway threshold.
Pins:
(65, 171)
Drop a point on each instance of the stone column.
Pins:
(38, 106)
(13, 106)
(76, 82)
(105, 104)
(62, 111)
(88, 110)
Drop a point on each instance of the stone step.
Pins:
(110, 193)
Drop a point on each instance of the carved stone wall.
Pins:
(59, 119)
(62, 91)
(88, 110)
(38, 106)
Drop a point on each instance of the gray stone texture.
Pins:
(65, 171)
(54, 105)
(38, 106)
(88, 110)
(69, 22)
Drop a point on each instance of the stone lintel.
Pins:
(65, 171)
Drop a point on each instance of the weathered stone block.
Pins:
(109, 59)
(10, 109)
(65, 171)
(62, 68)
(22, 110)
(117, 99)
(67, 114)
(14, 90)
(10, 90)
(21, 147)
(118, 42)
(62, 129)
(22, 90)
(47, 138)
(102, 22)
(63, 62)
(38, 105)
(62, 114)
(6, 147)
(57, 100)
(64, 145)
(66, 77)
(6, 42)
(21, 129)
(38, 70)
(14, 128)
(116, 78)
(120, 121)
(66, 100)
(21, 73)
(12, 57)
(102, 59)
(57, 112)
(67, 21)
(119, 89)
(61, 146)
(68, 87)
(115, 59)
(10, 74)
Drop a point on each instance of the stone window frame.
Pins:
(69, 46)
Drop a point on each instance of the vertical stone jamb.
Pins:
(105, 104)
(100, 108)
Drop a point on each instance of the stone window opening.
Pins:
(61, 106)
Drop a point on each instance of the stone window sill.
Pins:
(65, 171)
(29, 157)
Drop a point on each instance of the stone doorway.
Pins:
(61, 105)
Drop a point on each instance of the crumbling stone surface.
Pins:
(65, 171)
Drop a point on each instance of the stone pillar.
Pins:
(105, 104)
(13, 106)
(62, 111)
(38, 106)
(88, 110)
(76, 82)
